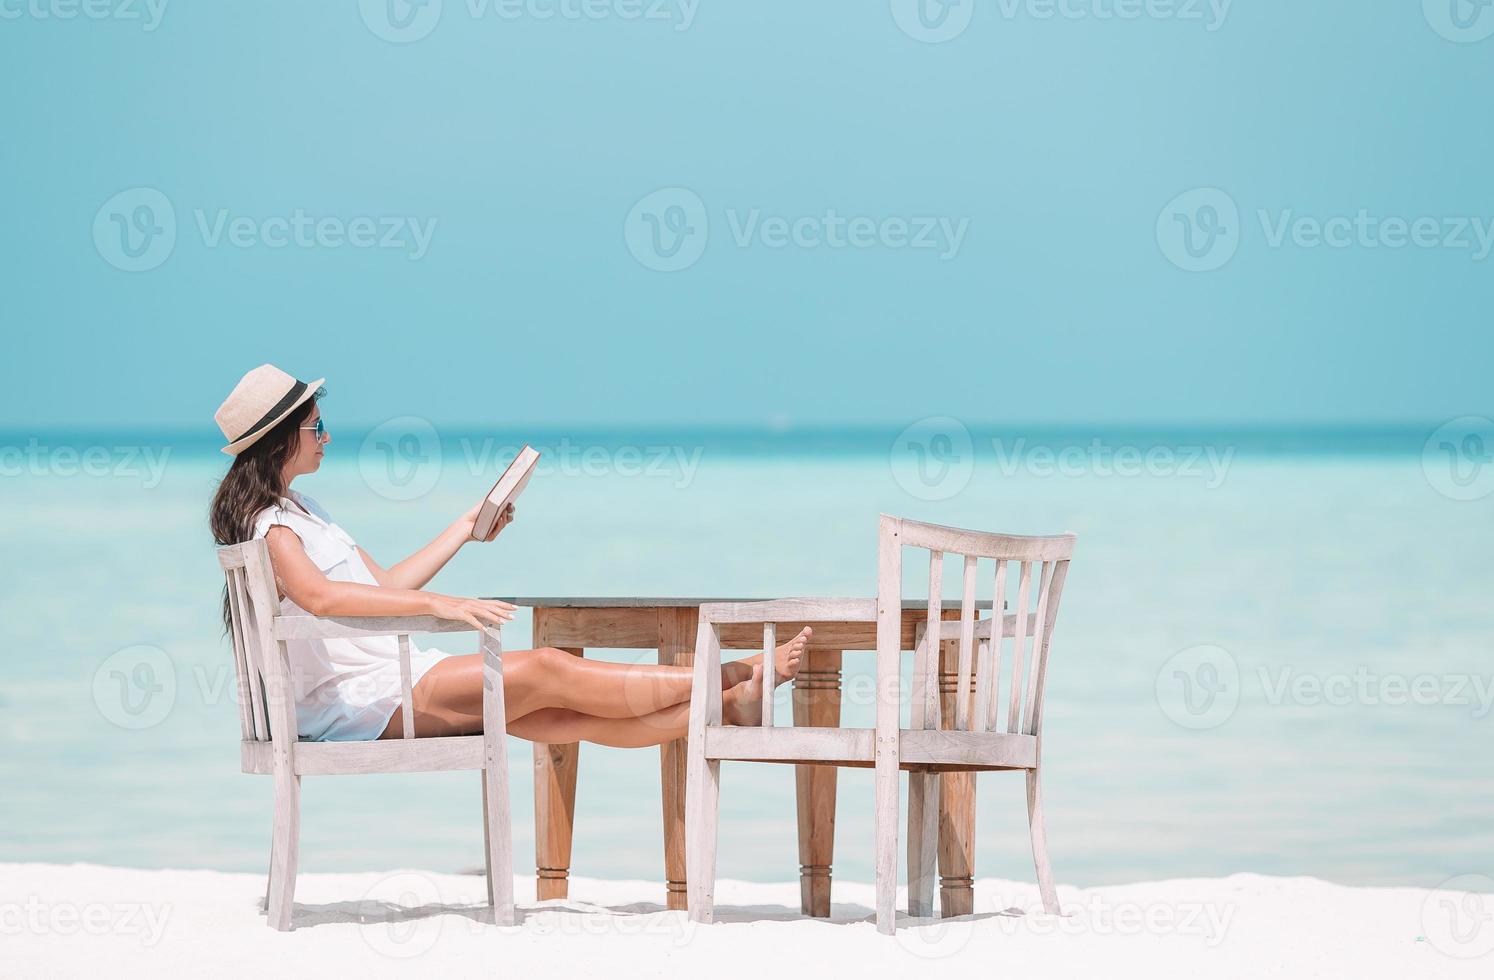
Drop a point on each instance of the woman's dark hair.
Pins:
(253, 482)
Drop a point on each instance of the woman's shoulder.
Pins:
(295, 511)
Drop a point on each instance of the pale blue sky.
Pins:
(1055, 144)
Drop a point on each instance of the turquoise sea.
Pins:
(1274, 653)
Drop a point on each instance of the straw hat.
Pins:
(259, 402)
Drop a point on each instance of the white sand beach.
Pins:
(87, 920)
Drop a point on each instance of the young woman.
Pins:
(350, 689)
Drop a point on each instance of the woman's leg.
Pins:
(448, 699)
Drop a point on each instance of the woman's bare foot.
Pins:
(787, 657)
(743, 703)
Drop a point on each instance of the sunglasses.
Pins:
(320, 429)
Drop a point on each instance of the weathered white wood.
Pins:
(1014, 709)
(1045, 580)
(1055, 591)
(353, 627)
(983, 673)
(495, 787)
(487, 837)
(922, 701)
(923, 841)
(407, 712)
(986, 545)
(1040, 843)
(702, 775)
(946, 747)
(967, 642)
(770, 670)
(889, 654)
(992, 692)
(791, 610)
(975, 744)
(240, 653)
(797, 745)
(270, 746)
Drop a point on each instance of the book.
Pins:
(505, 491)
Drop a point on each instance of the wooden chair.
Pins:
(977, 741)
(269, 743)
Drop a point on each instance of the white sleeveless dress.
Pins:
(346, 690)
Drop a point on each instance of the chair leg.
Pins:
(1040, 843)
(284, 849)
(487, 837)
(885, 829)
(702, 806)
(269, 872)
(923, 841)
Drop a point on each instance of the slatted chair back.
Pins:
(266, 701)
(1025, 575)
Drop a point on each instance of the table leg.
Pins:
(676, 646)
(956, 800)
(554, 801)
(816, 698)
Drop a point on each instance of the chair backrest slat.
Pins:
(989, 691)
(240, 653)
(967, 642)
(770, 670)
(981, 652)
(1050, 616)
(931, 644)
(1014, 707)
(1045, 579)
(251, 692)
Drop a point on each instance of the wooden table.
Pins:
(668, 625)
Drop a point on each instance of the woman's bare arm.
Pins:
(418, 569)
(298, 578)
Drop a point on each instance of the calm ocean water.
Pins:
(1273, 659)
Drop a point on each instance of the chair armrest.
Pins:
(353, 627)
(792, 611)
